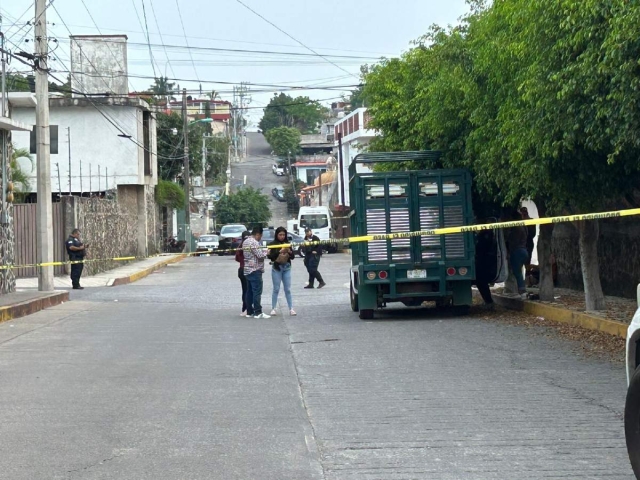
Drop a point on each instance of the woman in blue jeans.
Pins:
(518, 253)
(281, 269)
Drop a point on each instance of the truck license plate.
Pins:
(416, 274)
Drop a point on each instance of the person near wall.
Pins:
(531, 235)
(254, 255)
(518, 254)
(76, 251)
(312, 254)
(281, 269)
(246, 311)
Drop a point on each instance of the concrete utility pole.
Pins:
(69, 142)
(185, 175)
(4, 218)
(44, 225)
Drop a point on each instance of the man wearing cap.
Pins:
(312, 254)
(76, 251)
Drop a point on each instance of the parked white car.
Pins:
(207, 244)
(632, 405)
(279, 171)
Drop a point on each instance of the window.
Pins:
(146, 136)
(314, 221)
(53, 139)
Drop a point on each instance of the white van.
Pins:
(632, 405)
(319, 220)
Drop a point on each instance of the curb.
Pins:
(34, 305)
(563, 315)
(144, 273)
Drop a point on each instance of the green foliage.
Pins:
(301, 113)
(283, 140)
(162, 87)
(538, 98)
(20, 83)
(248, 207)
(169, 194)
(170, 149)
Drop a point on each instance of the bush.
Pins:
(169, 194)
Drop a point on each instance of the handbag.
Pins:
(283, 257)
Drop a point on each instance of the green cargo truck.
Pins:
(439, 268)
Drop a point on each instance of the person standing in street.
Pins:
(281, 269)
(254, 255)
(76, 251)
(246, 312)
(312, 254)
(518, 254)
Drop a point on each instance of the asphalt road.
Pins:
(257, 168)
(162, 379)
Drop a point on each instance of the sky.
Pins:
(299, 43)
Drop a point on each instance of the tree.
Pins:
(300, 112)
(20, 178)
(535, 97)
(162, 87)
(284, 140)
(169, 194)
(357, 98)
(248, 207)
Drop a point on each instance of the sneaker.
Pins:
(262, 315)
(273, 312)
(244, 314)
(309, 286)
(292, 312)
(322, 284)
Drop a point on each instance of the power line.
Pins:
(161, 39)
(187, 41)
(293, 38)
(145, 27)
(240, 50)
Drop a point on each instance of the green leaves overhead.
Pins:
(248, 206)
(538, 98)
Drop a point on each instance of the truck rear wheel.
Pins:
(366, 314)
(632, 422)
(354, 298)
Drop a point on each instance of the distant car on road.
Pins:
(230, 237)
(632, 405)
(278, 193)
(277, 170)
(207, 244)
(268, 236)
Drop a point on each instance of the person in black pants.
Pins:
(486, 266)
(312, 254)
(76, 251)
(246, 310)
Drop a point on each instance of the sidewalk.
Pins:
(27, 299)
(569, 307)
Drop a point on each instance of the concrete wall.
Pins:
(99, 64)
(618, 252)
(94, 142)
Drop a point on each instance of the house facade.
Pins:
(354, 132)
(220, 112)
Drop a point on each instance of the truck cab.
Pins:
(406, 268)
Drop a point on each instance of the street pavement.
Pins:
(162, 379)
(257, 168)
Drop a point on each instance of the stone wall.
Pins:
(7, 240)
(618, 252)
(154, 223)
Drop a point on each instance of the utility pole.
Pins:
(99, 180)
(69, 142)
(81, 178)
(90, 182)
(320, 189)
(4, 218)
(106, 179)
(341, 167)
(59, 183)
(204, 161)
(185, 175)
(44, 225)
(235, 124)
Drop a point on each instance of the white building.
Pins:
(96, 144)
(355, 134)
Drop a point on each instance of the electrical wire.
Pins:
(187, 41)
(161, 39)
(293, 38)
(145, 27)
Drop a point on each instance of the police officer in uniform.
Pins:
(76, 250)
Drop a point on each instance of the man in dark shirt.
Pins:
(76, 250)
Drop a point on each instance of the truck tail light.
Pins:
(371, 275)
(383, 275)
(451, 271)
(463, 271)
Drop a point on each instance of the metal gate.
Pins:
(24, 222)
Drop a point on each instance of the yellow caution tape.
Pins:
(385, 236)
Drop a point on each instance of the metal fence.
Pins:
(24, 221)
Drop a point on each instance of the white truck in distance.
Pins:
(318, 219)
